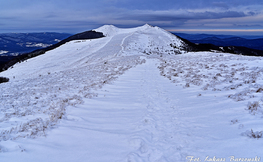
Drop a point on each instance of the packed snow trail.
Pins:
(142, 116)
(130, 120)
(123, 123)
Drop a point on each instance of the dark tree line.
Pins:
(194, 47)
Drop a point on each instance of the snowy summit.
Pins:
(133, 95)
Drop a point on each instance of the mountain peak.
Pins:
(147, 25)
(107, 30)
(110, 30)
(107, 27)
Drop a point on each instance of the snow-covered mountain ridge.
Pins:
(118, 42)
(151, 40)
(131, 96)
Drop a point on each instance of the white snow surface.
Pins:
(132, 96)
(29, 44)
(3, 52)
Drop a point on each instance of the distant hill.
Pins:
(7, 61)
(17, 43)
(14, 44)
(253, 42)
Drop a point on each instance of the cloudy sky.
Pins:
(189, 16)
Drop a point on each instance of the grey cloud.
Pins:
(81, 15)
(51, 16)
(219, 15)
(248, 26)
(252, 13)
(155, 16)
(8, 18)
(221, 5)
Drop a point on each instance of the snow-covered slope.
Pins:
(133, 95)
(118, 42)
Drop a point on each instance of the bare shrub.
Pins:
(253, 107)
(3, 79)
(253, 134)
(259, 90)
(187, 85)
(234, 121)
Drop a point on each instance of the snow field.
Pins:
(39, 91)
(3, 52)
(143, 116)
(235, 77)
(35, 104)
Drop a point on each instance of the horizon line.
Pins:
(215, 30)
